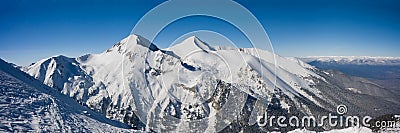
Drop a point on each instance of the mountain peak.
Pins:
(130, 42)
(190, 44)
(193, 38)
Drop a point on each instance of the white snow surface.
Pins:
(27, 105)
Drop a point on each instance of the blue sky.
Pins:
(32, 30)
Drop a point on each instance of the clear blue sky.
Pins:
(32, 30)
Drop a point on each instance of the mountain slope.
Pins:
(195, 87)
(26, 105)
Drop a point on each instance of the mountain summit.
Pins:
(190, 44)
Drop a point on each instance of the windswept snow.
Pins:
(26, 105)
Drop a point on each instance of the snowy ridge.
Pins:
(26, 105)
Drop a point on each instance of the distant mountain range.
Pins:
(196, 87)
(384, 71)
(354, 60)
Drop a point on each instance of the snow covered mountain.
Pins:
(27, 105)
(196, 87)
